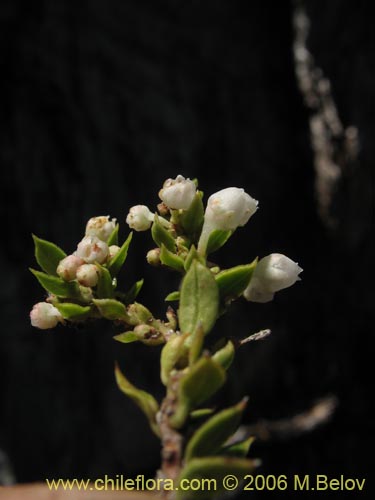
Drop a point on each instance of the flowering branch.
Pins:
(195, 438)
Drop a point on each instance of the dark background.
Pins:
(102, 101)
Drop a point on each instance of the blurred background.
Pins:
(100, 103)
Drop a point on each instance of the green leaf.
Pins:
(161, 236)
(199, 301)
(104, 288)
(116, 263)
(200, 382)
(215, 469)
(48, 255)
(192, 219)
(232, 282)
(171, 297)
(201, 413)
(191, 256)
(57, 286)
(126, 337)
(210, 437)
(132, 294)
(240, 449)
(225, 355)
(113, 237)
(111, 309)
(173, 350)
(196, 345)
(145, 401)
(170, 259)
(217, 239)
(73, 311)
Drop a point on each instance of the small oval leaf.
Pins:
(132, 294)
(145, 401)
(48, 255)
(116, 263)
(170, 259)
(211, 436)
(192, 219)
(199, 300)
(72, 311)
(217, 239)
(225, 355)
(113, 237)
(201, 382)
(161, 236)
(111, 309)
(57, 286)
(232, 282)
(126, 337)
(173, 296)
(104, 288)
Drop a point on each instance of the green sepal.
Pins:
(57, 286)
(171, 353)
(199, 300)
(191, 256)
(225, 355)
(113, 237)
(145, 401)
(104, 288)
(211, 436)
(170, 259)
(201, 413)
(133, 292)
(191, 219)
(161, 236)
(73, 311)
(214, 468)
(200, 382)
(173, 296)
(126, 337)
(118, 260)
(239, 449)
(48, 255)
(217, 239)
(232, 282)
(111, 309)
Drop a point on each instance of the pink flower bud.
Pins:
(45, 316)
(101, 227)
(92, 249)
(68, 266)
(87, 275)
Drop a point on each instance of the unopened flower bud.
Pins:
(272, 273)
(92, 249)
(45, 316)
(101, 227)
(178, 193)
(113, 250)
(88, 275)
(68, 266)
(153, 257)
(140, 218)
(226, 210)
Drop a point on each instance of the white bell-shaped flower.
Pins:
(101, 227)
(178, 193)
(140, 218)
(45, 316)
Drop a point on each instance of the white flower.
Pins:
(68, 266)
(140, 218)
(92, 249)
(272, 273)
(101, 227)
(44, 316)
(226, 210)
(178, 193)
(113, 250)
(87, 275)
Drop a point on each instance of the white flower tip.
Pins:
(92, 249)
(45, 316)
(140, 218)
(100, 226)
(178, 193)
